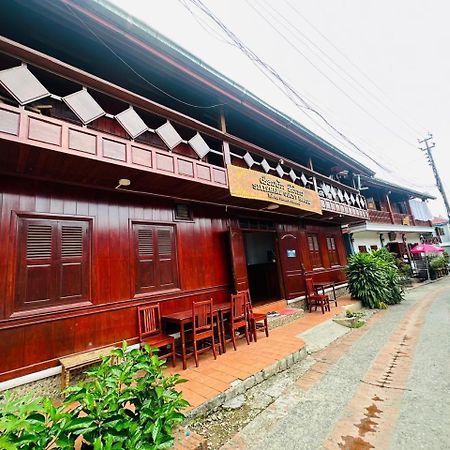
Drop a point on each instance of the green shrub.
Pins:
(127, 403)
(28, 423)
(374, 278)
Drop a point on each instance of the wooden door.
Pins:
(291, 264)
(238, 260)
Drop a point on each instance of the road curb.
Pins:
(239, 387)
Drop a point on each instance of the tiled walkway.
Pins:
(215, 376)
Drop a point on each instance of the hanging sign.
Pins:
(246, 183)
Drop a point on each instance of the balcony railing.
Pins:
(397, 218)
(124, 128)
(379, 216)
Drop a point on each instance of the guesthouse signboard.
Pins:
(246, 183)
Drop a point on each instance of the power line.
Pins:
(355, 66)
(362, 88)
(277, 30)
(85, 25)
(253, 56)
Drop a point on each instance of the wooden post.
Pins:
(388, 203)
(225, 144)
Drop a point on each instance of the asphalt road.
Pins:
(385, 387)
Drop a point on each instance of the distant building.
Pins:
(442, 232)
(398, 218)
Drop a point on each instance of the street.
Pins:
(385, 386)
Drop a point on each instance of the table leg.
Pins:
(334, 294)
(221, 331)
(183, 346)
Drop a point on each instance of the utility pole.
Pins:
(426, 148)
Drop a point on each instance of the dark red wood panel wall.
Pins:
(28, 338)
(33, 340)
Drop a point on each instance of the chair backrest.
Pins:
(149, 320)
(202, 316)
(309, 287)
(247, 300)
(239, 305)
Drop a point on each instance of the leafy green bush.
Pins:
(127, 403)
(374, 278)
(28, 423)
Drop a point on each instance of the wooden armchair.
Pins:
(257, 321)
(314, 299)
(203, 327)
(150, 333)
(238, 318)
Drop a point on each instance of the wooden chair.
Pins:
(257, 321)
(238, 318)
(203, 327)
(150, 333)
(314, 299)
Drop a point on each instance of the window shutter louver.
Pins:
(164, 242)
(39, 241)
(72, 241)
(145, 242)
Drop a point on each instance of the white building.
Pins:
(398, 218)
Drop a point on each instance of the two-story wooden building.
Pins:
(398, 218)
(131, 172)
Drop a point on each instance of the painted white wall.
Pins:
(369, 238)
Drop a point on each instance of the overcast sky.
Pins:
(378, 71)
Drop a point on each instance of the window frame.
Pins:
(134, 257)
(12, 308)
(333, 254)
(315, 257)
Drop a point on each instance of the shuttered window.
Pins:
(314, 251)
(155, 258)
(332, 251)
(53, 265)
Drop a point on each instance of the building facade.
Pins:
(145, 178)
(398, 219)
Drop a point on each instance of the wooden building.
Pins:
(398, 218)
(220, 198)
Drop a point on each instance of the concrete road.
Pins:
(384, 386)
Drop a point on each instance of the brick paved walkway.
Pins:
(215, 376)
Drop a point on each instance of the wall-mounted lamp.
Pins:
(123, 182)
(382, 239)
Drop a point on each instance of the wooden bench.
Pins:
(79, 360)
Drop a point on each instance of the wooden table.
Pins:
(325, 285)
(183, 318)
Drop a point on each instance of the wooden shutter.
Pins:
(36, 257)
(291, 264)
(74, 266)
(145, 266)
(238, 260)
(167, 264)
(156, 263)
(53, 264)
(314, 250)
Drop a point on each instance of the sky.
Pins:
(379, 72)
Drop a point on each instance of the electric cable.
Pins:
(85, 25)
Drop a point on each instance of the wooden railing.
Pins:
(397, 218)
(423, 223)
(379, 216)
(126, 139)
